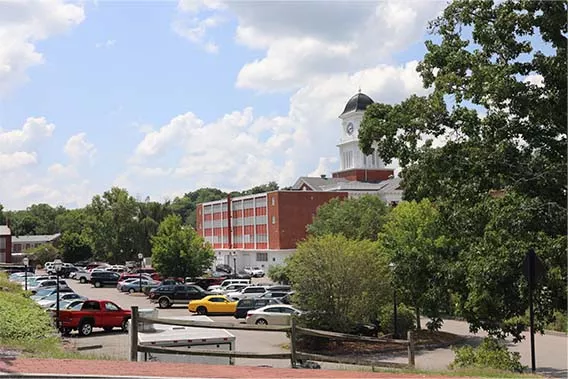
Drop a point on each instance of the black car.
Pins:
(245, 305)
(167, 295)
(104, 278)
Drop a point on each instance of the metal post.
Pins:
(395, 316)
(411, 359)
(235, 265)
(531, 308)
(26, 278)
(134, 334)
(141, 257)
(57, 300)
(293, 342)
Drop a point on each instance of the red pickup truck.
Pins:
(94, 314)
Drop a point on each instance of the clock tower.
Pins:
(353, 164)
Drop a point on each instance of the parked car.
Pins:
(224, 268)
(247, 292)
(94, 314)
(104, 278)
(134, 285)
(256, 272)
(48, 301)
(125, 275)
(213, 304)
(245, 305)
(272, 315)
(228, 289)
(44, 292)
(167, 295)
(65, 304)
(273, 295)
(47, 283)
(149, 271)
(228, 282)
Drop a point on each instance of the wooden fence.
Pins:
(294, 355)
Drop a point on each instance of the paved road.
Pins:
(551, 350)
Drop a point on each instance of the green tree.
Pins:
(503, 131)
(74, 247)
(279, 273)
(356, 218)
(178, 251)
(418, 252)
(340, 282)
(43, 253)
(113, 225)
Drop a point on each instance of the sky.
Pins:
(165, 97)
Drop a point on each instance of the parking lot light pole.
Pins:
(234, 254)
(141, 258)
(26, 261)
(57, 264)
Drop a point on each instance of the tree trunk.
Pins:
(418, 327)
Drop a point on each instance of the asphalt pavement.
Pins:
(551, 350)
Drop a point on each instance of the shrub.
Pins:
(490, 354)
(405, 320)
(560, 323)
(279, 274)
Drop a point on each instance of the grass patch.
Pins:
(27, 329)
(465, 372)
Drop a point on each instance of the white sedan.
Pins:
(277, 314)
(47, 302)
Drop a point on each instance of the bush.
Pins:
(279, 274)
(560, 323)
(405, 320)
(490, 354)
(21, 318)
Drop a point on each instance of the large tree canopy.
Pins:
(488, 145)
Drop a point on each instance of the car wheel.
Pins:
(202, 311)
(164, 303)
(124, 325)
(131, 290)
(86, 328)
(83, 280)
(261, 321)
(98, 285)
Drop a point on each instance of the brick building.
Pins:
(5, 244)
(263, 229)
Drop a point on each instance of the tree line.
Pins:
(115, 226)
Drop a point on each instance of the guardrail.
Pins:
(294, 331)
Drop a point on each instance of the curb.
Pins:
(87, 376)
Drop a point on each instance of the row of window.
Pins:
(258, 220)
(249, 203)
(217, 239)
(247, 238)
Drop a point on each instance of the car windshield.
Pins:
(44, 292)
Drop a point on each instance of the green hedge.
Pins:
(490, 354)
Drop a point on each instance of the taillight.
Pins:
(248, 314)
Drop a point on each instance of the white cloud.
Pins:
(188, 25)
(78, 148)
(240, 150)
(106, 44)
(24, 22)
(17, 160)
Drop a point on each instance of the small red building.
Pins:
(5, 244)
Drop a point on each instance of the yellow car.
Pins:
(218, 304)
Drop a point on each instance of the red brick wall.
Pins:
(8, 251)
(361, 175)
(293, 211)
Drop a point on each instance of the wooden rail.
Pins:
(294, 332)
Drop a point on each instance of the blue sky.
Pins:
(162, 98)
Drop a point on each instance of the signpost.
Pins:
(533, 269)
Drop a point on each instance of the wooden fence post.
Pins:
(411, 359)
(293, 336)
(134, 334)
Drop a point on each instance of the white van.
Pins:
(228, 282)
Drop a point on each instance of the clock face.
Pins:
(350, 128)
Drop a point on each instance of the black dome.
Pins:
(359, 102)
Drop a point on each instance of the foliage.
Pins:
(74, 247)
(21, 318)
(178, 251)
(405, 320)
(356, 218)
(559, 323)
(498, 106)
(414, 244)
(279, 274)
(43, 253)
(490, 354)
(336, 279)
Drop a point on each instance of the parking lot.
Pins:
(116, 343)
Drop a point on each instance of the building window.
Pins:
(273, 201)
(273, 220)
(262, 257)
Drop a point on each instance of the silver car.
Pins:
(278, 314)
